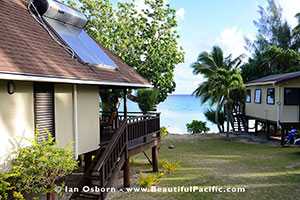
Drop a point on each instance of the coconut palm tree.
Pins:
(222, 77)
(207, 63)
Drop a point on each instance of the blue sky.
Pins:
(205, 23)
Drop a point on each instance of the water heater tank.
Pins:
(56, 10)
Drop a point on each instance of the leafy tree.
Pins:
(211, 116)
(222, 77)
(296, 31)
(275, 49)
(273, 60)
(272, 29)
(147, 99)
(145, 39)
(197, 127)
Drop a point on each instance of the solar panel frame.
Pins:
(86, 49)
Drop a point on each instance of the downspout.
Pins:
(75, 120)
(279, 107)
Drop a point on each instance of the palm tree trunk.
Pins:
(219, 128)
(227, 119)
(217, 119)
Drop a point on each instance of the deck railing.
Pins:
(141, 127)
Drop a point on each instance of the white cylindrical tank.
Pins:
(61, 12)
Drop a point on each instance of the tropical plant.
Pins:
(211, 116)
(197, 127)
(36, 169)
(4, 186)
(147, 99)
(145, 39)
(169, 167)
(146, 181)
(222, 77)
(164, 132)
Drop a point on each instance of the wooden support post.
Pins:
(125, 104)
(126, 174)
(255, 127)
(87, 161)
(51, 196)
(155, 158)
(282, 136)
(268, 129)
(126, 167)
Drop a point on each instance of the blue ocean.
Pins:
(178, 110)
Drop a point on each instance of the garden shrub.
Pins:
(197, 127)
(36, 169)
(147, 181)
(4, 186)
(169, 167)
(147, 99)
(164, 132)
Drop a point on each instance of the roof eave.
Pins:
(36, 78)
(261, 83)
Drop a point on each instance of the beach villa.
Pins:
(274, 102)
(51, 72)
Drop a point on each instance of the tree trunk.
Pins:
(219, 127)
(227, 119)
(223, 129)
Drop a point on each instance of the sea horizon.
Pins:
(178, 110)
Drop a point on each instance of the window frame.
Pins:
(284, 96)
(268, 89)
(258, 89)
(248, 90)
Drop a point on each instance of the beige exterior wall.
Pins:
(279, 111)
(16, 116)
(64, 126)
(263, 110)
(88, 124)
(289, 113)
(88, 118)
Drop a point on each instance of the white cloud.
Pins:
(232, 41)
(290, 9)
(180, 14)
(186, 81)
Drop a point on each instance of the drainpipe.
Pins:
(279, 107)
(75, 120)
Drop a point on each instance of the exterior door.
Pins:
(44, 110)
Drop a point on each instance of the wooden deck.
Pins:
(122, 137)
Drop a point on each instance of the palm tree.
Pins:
(207, 63)
(222, 77)
(210, 115)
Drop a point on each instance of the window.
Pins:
(291, 96)
(271, 96)
(248, 96)
(257, 98)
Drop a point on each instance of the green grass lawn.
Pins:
(267, 171)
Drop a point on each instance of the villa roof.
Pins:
(27, 52)
(274, 79)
